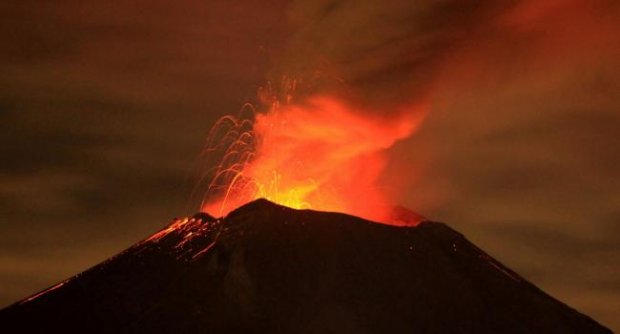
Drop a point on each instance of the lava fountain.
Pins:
(319, 153)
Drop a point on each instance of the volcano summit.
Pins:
(266, 268)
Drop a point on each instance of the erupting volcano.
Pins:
(501, 116)
(285, 267)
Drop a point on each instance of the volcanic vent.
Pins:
(266, 268)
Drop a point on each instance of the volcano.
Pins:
(266, 268)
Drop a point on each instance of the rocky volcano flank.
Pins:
(270, 269)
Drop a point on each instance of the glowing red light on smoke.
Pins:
(320, 154)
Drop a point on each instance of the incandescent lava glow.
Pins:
(320, 154)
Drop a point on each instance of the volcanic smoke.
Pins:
(318, 153)
(368, 83)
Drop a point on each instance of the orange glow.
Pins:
(31, 298)
(321, 154)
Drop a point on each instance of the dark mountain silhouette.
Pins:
(270, 269)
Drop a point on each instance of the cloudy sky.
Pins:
(104, 108)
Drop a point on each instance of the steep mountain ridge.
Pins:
(268, 268)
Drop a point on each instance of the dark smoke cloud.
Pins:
(382, 53)
(398, 51)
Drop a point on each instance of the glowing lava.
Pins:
(320, 154)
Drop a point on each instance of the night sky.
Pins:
(104, 108)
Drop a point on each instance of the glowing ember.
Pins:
(320, 154)
(43, 292)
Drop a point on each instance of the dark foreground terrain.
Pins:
(270, 269)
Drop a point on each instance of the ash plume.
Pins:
(397, 52)
(405, 59)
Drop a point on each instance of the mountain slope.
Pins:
(268, 268)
